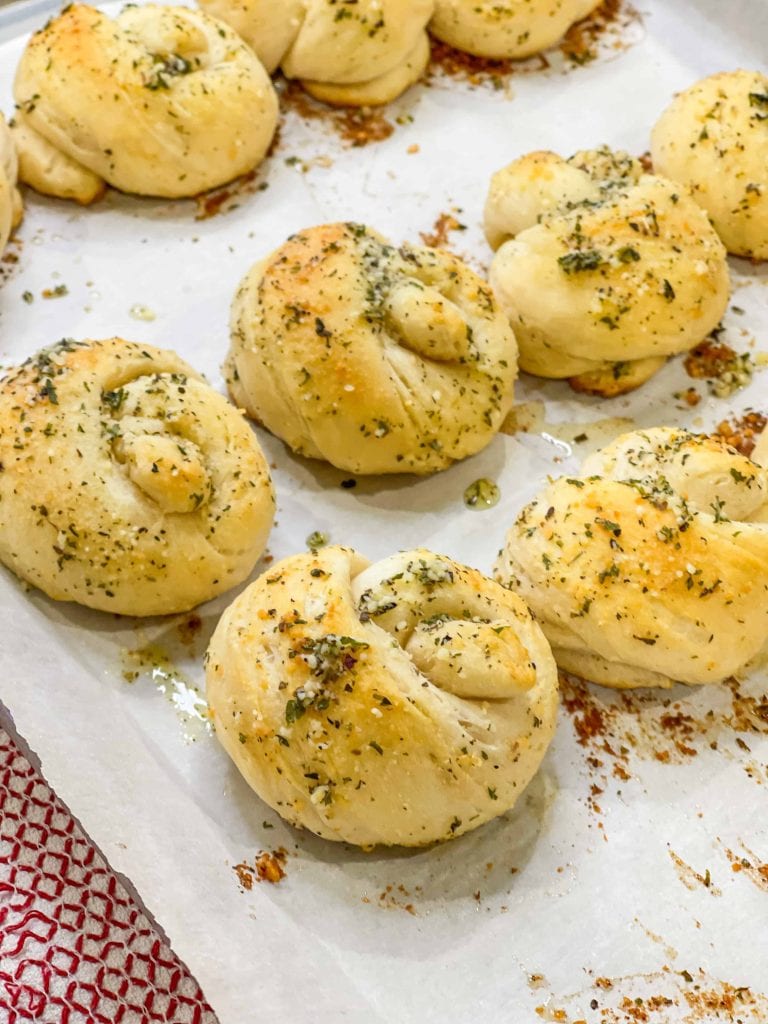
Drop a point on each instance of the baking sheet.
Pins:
(621, 873)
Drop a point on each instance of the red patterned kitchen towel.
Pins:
(75, 946)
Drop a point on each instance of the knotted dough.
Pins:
(603, 270)
(364, 53)
(127, 483)
(515, 28)
(376, 359)
(158, 101)
(652, 566)
(713, 140)
(398, 703)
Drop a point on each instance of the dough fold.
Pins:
(713, 140)
(376, 359)
(127, 483)
(158, 101)
(513, 29)
(361, 54)
(604, 271)
(403, 702)
(650, 567)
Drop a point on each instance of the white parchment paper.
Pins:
(605, 883)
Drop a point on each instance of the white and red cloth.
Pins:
(75, 946)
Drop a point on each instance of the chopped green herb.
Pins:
(49, 391)
(316, 540)
(581, 260)
(611, 527)
(165, 69)
(114, 399)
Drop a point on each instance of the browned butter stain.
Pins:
(687, 996)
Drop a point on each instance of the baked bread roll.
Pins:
(398, 703)
(361, 54)
(713, 140)
(159, 101)
(10, 199)
(127, 483)
(652, 566)
(517, 29)
(376, 359)
(603, 270)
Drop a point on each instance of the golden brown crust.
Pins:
(400, 703)
(158, 101)
(614, 379)
(650, 567)
(376, 359)
(127, 483)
